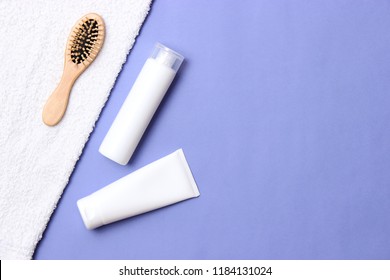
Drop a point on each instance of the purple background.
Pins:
(283, 111)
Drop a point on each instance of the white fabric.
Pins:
(36, 160)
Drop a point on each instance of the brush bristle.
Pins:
(85, 39)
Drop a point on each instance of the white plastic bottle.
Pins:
(140, 105)
(158, 184)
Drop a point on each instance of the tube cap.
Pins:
(167, 57)
(88, 212)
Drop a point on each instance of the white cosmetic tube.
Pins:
(161, 183)
(140, 105)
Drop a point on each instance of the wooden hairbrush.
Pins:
(84, 43)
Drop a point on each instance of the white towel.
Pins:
(35, 160)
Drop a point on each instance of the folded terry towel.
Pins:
(35, 160)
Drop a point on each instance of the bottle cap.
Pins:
(88, 212)
(167, 57)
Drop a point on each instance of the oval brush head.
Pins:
(84, 43)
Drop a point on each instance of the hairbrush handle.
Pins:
(57, 103)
